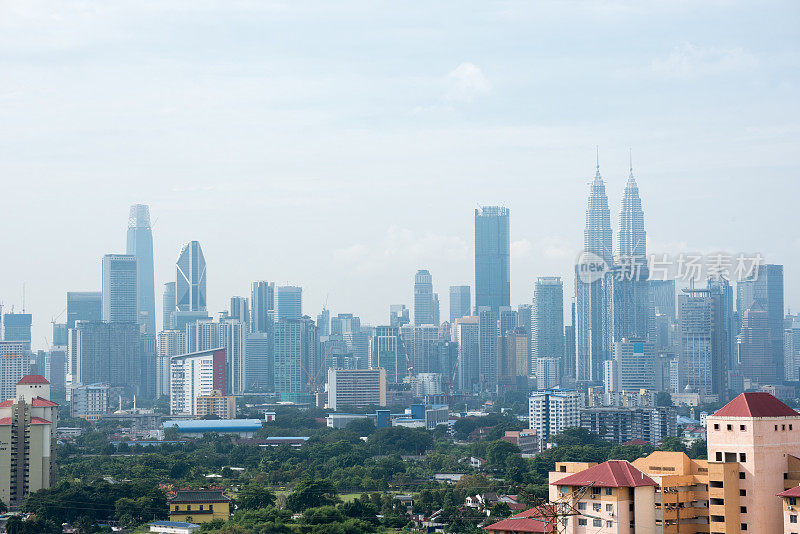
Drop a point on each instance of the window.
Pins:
(792, 501)
(743, 509)
(609, 524)
(742, 493)
(582, 522)
(597, 522)
(730, 427)
(742, 457)
(742, 428)
(743, 526)
(716, 502)
(201, 506)
(792, 519)
(717, 518)
(741, 475)
(719, 456)
(596, 507)
(581, 506)
(716, 426)
(609, 491)
(610, 508)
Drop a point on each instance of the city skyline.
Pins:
(356, 134)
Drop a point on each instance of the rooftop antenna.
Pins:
(23, 297)
(630, 160)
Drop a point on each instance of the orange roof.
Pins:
(610, 474)
(33, 379)
(7, 403)
(5, 421)
(756, 404)
(794, 492)
(39, 402)
(40, 421)
(532, 520)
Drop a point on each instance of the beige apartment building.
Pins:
(27, 441)
(223, 406)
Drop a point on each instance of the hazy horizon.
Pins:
(343, 148)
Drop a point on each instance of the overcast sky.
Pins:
(343, 145)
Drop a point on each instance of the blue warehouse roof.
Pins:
(215, 425)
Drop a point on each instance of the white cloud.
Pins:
(691, 61)
(521, 248)
(467, 83)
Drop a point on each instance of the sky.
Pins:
(341, 146)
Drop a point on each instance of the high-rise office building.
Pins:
(525, 322)
(460, 302)
(512, 359)
(258, 368)
(791, 348)
(356, 388)
(467, 334)
(593, 293)
(84, 306)
(190, 279)
(634, 360)
(168, 304)
(295, 345)
(755, 346)
(385, 353)
(17, 327)
(140, 244)
(703, 353)
(120, 300)
(262, 302)
(662, 298)
(59, 335)
(437, 319)
(423, 298)
(109, 353)
(240, 310)
(492, 257)
(28, 420)
(14, 364)
(344, 323)
(194, 375)
(547, 321)
(722, 287)
(420, 346)
(169, 343)
(768, 290)
(324, 322)
(630, 279)
(488, 333)
(228, 334)
(288, 302)
(507, 320)
(570, 358)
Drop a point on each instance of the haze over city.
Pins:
(343, 148)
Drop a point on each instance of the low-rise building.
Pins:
(223, 406)
(526, 440)
(173, 527)
(618, 424)
(610, 498)
(199, 506)
(790, 510)
(195, 428)
(89, 401)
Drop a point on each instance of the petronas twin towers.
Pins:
(613, 303)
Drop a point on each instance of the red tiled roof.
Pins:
(39, 402)
(610, 474)
(7, 403)
(40, 421)
(756, 404)
(523, 522)
(33, 379)
(5, 421)
(794, 492)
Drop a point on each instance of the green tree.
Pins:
(497, 452)
(253, 496)
(311, 494)
(663, 398)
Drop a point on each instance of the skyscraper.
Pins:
(492, 257)
(768, 291)
(630, 279)
(262, 302)
(398, 315)
(289, 302)
(168, 305)
(120, 300)
(190, 279)
(294, 358)
(84, 306)
(703, 357)
(488, 334)
(17, 327)
(324, 322)
(385, 353)
(755, 346)
(258, 369)
(240, 310)
(593, 308)
(436, 317)
(228, 334)
(468, 366)
(140, 244)
(547, 321)
(423, 298)
(169, 343)
(460, 302)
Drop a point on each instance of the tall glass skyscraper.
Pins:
(492, 257)
(288, 302)
(262, 303)
(630, 280)
(140, 244)
(120, 301)
(167, 305)
(593, 296)
(547, 321)
(460, 302)
(190, 279)
(423, 298)
(84, 306)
